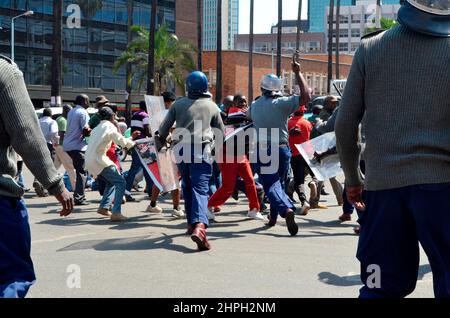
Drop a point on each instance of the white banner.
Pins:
(321, 155)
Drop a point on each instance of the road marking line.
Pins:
(62, 238)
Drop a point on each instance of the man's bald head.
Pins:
(82, 100)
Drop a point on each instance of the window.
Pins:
(108, 42)
(120, 42)
(121, 12)
(79, 74)
(355, 46)
(107, 77)
(95, 40)
(67, 72)
(80, 40)
(356, 33)
(356, 18)
(48, 35)
(94, 75)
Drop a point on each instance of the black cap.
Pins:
(169, 96)
(106, 113)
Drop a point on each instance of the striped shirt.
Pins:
(138, 121)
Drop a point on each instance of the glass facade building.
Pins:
(230, 24)
(317, 13)
(88, 52)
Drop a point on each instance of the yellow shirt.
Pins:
(99, 143)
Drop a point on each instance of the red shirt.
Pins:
(305, 128)
(111, 153)
(233, 110)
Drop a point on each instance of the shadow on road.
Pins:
(355, 280)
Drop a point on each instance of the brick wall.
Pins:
(235, 69)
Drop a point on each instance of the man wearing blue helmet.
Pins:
(407, 177)
(270, 115)
(195, 115)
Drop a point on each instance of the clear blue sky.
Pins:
(266, 14)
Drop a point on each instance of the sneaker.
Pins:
(290, 222)
(104, 212)
(81, 203)
(255, 214)
(178, 213)
(118, 217)
(40, 191)
(319, 206)
(210, 213)
(155, 210)
(345, 217)
(129, 198)
(305, 208)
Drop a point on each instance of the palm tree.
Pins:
(280, 21)
(338, 25)
(330, 45)
(151, 52)
(89, 8)
(219, 53)
(250, 54)
(128, 68)
(299, 25)
(173, 57)
(56, 81)
(199, 35)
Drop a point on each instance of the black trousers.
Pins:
(78, 163)
(300, 169)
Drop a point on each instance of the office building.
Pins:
(230, 24)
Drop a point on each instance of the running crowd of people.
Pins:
(396, 176)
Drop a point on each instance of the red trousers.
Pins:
(230, 172)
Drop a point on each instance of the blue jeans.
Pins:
(273, 182)
(195, 185)
(114, 188)
(16, 267)
(135, 168)
(393, 224)
(216, 179)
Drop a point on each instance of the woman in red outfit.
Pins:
(235, 165)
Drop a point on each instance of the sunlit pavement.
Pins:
(85, 255)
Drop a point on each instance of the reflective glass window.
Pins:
(79, 74)
(95, 40)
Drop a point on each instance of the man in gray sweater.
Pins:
(20, 132)
(407, 162)
(195, 115)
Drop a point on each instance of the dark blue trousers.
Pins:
(393, 224)
(273, 183)
(16, 268)
(195, 179)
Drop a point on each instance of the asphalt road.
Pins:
(86, 255)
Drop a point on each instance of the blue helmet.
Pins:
(197, 82)
(431, 17)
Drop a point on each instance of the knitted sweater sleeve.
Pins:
(348, 119)
(22, 126)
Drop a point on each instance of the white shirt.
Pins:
(49, 128)
(99, 143)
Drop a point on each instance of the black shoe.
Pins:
(290, 222)
(129, 198)
(323, 192)
(235, 195)
(81, 203)
(271, 222)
